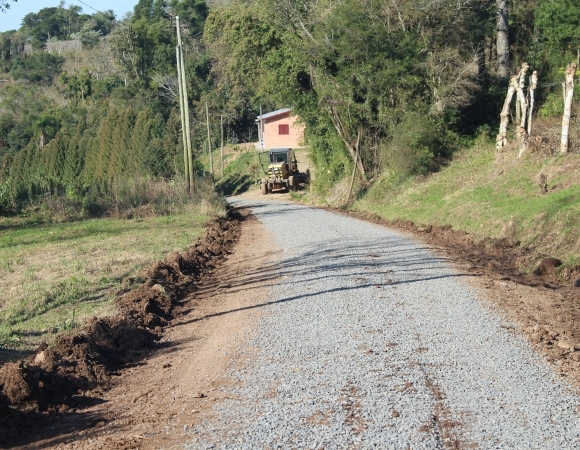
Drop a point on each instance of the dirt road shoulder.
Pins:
(151, 405)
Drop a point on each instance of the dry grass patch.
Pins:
(53, 276)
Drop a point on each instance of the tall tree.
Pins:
(503, 42)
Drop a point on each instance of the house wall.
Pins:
(272, 138)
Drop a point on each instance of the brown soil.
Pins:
(545, 303)
(75, 372)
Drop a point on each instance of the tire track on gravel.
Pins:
(371, 341)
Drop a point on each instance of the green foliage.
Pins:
(553, 106)
(38, 68)
(64, 23)
(77, 86)
(557, 22)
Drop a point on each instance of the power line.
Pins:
(80, 1)
(118, 4)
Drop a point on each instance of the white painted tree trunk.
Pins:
(533, 86)
(501, 140)
(523, 103)
(569, 94)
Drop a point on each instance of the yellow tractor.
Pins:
(283, 173)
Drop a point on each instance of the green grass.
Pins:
(243, 172)
(490, 194)
(54, 276)
(243, 166)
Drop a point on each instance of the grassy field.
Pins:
(54, 275)
(493, 194)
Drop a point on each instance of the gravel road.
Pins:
(369, 340)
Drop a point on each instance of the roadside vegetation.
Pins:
(534, 200)
(55, 275)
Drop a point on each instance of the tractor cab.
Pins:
(283, 158)
(283, 172)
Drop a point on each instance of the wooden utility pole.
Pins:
(568, 95)
(222, 142)
(183, 119)
(209, 140)
(261, 133)
(184, 107)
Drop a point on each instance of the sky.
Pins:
(11, 19)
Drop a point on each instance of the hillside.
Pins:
(534, 199)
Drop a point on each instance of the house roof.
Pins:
(278, 112)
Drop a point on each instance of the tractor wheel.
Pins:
(264, 188)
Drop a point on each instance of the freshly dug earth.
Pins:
(545, 303)
(70, 374)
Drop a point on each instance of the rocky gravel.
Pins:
(369, 340)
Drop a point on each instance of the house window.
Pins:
(284, 129)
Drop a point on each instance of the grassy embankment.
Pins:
(493, 195)
(243, 166)
(55, 275)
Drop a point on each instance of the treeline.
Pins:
(390, 88)
(127, 144)
(79, 124)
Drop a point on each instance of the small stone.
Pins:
(159, 288)
(212, 399)
(395, 413)
(198, 395)
(565, 345)
(575, 356)
(39, 358)
(536, 328)
(100, 424)
(166, 365)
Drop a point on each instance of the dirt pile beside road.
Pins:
(501, 256)
(60, 377)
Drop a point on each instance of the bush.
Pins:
(418, 146)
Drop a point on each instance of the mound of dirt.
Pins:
(500, 256)
(60, 377)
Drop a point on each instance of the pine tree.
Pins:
(119, 159)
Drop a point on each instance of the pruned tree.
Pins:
(568, 96)
(523, 107)
(533, 86)
(501, 140)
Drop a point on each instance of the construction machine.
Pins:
(283, 172)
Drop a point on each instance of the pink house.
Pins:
(279, 129)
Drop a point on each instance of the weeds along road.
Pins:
(369, 340)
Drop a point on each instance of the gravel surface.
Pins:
(369, 340)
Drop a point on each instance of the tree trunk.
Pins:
(222, 142)
(501, 140)
(533, 85)
(569, 94)
(353, 148)
(522, 102)
(503, 43)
